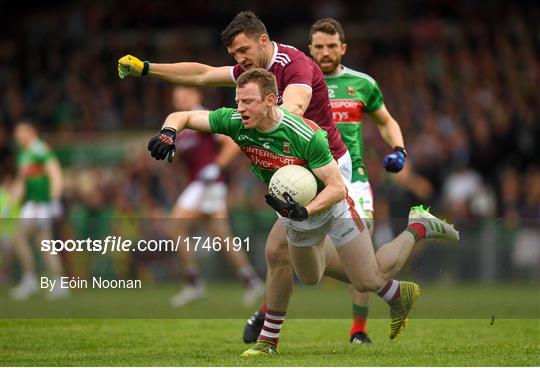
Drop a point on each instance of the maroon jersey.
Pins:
(291, 66)
(197, 150)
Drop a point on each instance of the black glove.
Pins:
(162, 145)
(290, 209)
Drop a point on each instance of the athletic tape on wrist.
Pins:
(146, 68)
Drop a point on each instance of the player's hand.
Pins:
(162, 145)
(131, 66)
(209, 173)
(394, 162)
(290, 209)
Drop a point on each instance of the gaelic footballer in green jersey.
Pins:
(31, 163)
(292, 141)
(301, 89)
(40, 180)
(351, 95)
(267, 135)
(272, 137)
(39, 172)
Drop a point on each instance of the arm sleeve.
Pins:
(236, 71)
(318, 152)
(375, 100)
(221, 121)
(297, 72)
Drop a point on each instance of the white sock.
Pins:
(29, 277)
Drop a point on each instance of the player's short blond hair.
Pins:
(262, 77)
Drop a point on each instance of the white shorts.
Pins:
(362, 195)
(36, 214)
(341, 223)
(206, 198)
(345, 166)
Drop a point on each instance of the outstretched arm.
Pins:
(194, 120)
(391, 133)
(187, 74)
(193, 74)
(388, 127)
(162, 145)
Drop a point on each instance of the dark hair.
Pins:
(262, 77)
(244, 22)
(327, 25)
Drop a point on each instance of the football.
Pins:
(296, 180)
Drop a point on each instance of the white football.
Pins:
(296, 180)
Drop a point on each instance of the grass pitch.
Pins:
(304, 342)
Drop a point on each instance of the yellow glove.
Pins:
(130, 65)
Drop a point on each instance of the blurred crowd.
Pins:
(461, 79)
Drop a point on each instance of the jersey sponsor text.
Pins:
(268, 160)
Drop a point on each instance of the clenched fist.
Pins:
(129, 65)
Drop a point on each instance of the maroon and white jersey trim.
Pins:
(302, 85)
(232, 74)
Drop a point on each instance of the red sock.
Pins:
(249, 277)
(417, 230)
(359, 319)
(193, 277)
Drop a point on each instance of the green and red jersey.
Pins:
(31, 163)
(293, 141)
(351, 94)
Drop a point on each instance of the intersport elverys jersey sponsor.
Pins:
(293, 141)
(351, 94)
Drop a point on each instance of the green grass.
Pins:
(303, 343)
(330, 300)
(450, 326)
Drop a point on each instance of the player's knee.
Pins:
(310, 278)
(376, 284)
(276, 255)
(371, 284)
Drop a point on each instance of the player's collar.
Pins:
(274, 54)
(339, 73)
(278, 123)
